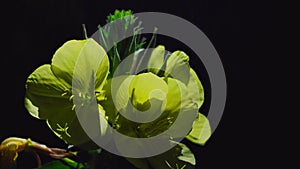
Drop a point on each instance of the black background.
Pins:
(35, 29)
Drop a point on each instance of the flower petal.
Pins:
(116, 92)
(201, 131)
(71, 126)
(156, 59)
(45, 93)
(179, 157)
(144, 87)
(195, 89)
(178, 66)
(32, 109)
(87, 56)
(177, 101)
(178, 96)
(65, 58)
(121, 84)
(186, 154)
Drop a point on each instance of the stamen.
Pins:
(73, 107)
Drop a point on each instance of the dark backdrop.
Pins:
(35, 29)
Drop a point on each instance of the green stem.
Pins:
(84, 31)
(151, 43)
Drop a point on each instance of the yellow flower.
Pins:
(52, 88)
(167, 91)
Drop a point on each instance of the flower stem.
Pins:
(84, 31)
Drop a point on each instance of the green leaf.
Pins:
(201, 131)
(156, 60)
(65, 163)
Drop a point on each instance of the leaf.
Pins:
(201, 131)
(65, 163)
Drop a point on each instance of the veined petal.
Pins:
(108, 103)
(177, 97)
(179, 157)
(177, 101)
(178, 66)
(156, 59)
(65, 58)
(43, 82)
(121, 84)
(45, 93)
(116, 92)
(32, 109)
(147, 86)
(195, 89)
(89, 58)
(65, 124)
(201, 131)
(69, 131)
